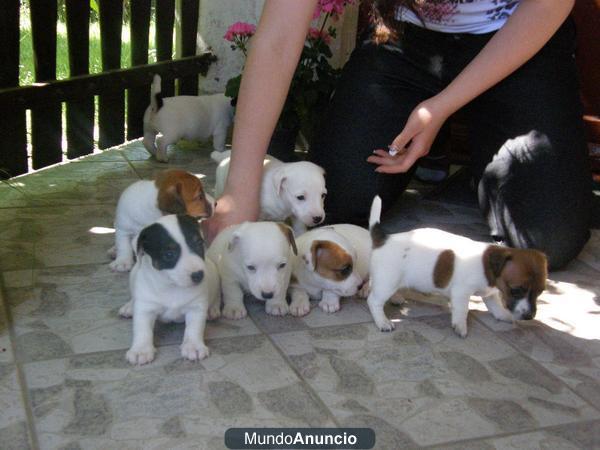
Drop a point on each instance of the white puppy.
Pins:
(171, 281)
(145, 201)
(332, 262)
(289, 190)
(433, 261)
(254, 257)
(185, 117)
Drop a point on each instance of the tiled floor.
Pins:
(64, 381)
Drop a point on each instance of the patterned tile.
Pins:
(99, 401)
(427, 384)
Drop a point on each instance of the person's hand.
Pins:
(414, 141)
(228, 212)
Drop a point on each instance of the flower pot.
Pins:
(283, 144)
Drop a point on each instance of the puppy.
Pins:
(171, 281)
(185, 117)
(289, 190)
(254, 257)
(332, 262)
(508, 280)
(145, 201)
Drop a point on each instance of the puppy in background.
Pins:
(509, 280)
(145, 201)
(171, 281)
(289, 190)
(185, 117)
(332, 262)
(254, 257)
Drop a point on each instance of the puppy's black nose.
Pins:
(266, 295)
(527, 316)
(317, 219)
(197, 276)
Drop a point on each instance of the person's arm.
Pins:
(531, 25)
(274, 53)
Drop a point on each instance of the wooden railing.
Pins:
(44, 98)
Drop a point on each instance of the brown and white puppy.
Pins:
(332, 262)
(145, 201)
(508, 280)
(254, 257)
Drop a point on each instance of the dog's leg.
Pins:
(277, 306)
(219, 138)
(142, 349)
(214, 309)
(193, 347)
(126, 311)
(495, 306)
(330, 302)
(381, 290)
(149, 141)
(124, 258)
(459, 305)
(233, 300)
(300, 305)
(162, 145)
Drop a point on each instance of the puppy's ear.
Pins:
(494, 260)
(234, 241)
(289, 234)
(169, 199)
(279, 177)
(139, 242)
(315, 250)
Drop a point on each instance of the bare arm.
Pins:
(522, 36)
(274, 53)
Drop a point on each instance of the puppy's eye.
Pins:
(169, 255)
(281, 266)
(518, 292)
(346, 270)
(301, 198)
(251, 268)
(323, 195)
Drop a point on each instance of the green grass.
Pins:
(26, 65)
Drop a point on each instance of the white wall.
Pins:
(216, 16)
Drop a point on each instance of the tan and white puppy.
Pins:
(171, 281)
(254, 257)
(332, 262)
(145, 201)
(293, 191)
(189, 117)
(428, 260)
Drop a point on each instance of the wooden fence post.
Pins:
(165, 19)
(190, 10)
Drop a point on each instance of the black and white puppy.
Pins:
(171, 281)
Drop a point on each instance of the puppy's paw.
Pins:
(397, 299)
(503, 315)
(141, 355)
(385, 325)
(460, 329)
(214, 312)
(121, 265)
(112, 252)
(330, 305)
(126, 311)
(234, 312)
(300, 308)
(194, 351)
(276, 308)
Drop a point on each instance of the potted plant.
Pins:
(312, 83)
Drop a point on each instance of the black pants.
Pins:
(528, 150)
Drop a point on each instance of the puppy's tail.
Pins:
(378, 235)
(220, 156)
(156, 98)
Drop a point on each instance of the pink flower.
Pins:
(239, 29)
(333, 7)
(315, 33)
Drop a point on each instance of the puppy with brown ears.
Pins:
(171, 192)
(509, 280)
(332, 262)
(254, 257)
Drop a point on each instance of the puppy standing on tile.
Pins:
(294, 191)
(171, 281)
(332, 262)
(508, 280)
(254, 257)
(185, 117)
(145, 201)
